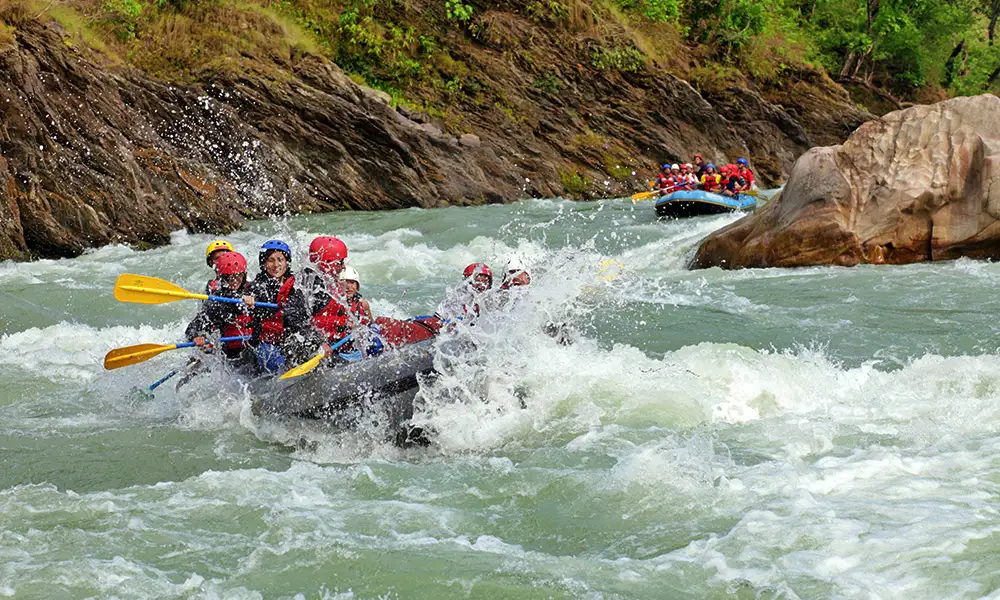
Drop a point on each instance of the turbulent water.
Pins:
(807, 433)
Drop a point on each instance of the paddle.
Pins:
(643, 196)
(310, 364)
(132, 355)
(150, 290)
(157, 384)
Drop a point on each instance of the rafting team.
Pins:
(728, 180)
(316, 309)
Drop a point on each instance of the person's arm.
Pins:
(200, 326)
(367, 309)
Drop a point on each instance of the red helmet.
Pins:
(477, 269)
(230, 263)
(327, 250)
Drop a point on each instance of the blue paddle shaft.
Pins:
(340, 343)
(240, 301)
(235, 338)
(157, 384)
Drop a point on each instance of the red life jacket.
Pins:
(332, 320)
(241, 327)
(358, 310)
(272, 328)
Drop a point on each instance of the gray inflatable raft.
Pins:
(376, 391)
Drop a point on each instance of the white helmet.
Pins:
(514, 265)
(675, 166)
(350, 274)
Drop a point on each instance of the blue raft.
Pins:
(690, 203)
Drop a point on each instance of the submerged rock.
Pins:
(918, 184)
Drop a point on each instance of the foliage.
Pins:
(123, 17)
(458, 10)
(659, 11)
(628, 60)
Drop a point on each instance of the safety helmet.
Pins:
(514, 265)
(699, 156)
(230, 263)
(215, 247)
(742, 161)
(350, 274)
(710, 166)
(328, 253)
(273, 246)
(478, 269)
(665, 167)
(675, 167)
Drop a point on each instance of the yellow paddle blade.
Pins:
(753, 193)
(149, 290)
(304, 368)
(130, 355)
(642, 196)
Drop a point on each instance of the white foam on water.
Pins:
(74, 350)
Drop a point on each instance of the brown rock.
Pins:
(916, 185)
(470, 140)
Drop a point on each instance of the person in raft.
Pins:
(688, 179)
(214, 250)
(464, 302)
(326, 303)
(515, 274)
(663, 179)
(732, 183)
(699, 166)
(223, 318)
(364, 333)
(278, 334)
(710, 180)
(356, 304)
(745, 173)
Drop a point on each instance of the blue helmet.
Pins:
(710, 166)
(742, 161)
(271, 246)
(666, 167)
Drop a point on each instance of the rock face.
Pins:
(919, 184)
(90, 156)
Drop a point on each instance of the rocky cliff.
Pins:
(919, 184)
(95, 152)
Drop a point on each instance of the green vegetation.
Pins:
(899, 49)
(573, 181)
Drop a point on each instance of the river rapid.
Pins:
(801, 433)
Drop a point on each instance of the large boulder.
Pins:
(916, 185)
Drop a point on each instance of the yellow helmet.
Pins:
(216, 246)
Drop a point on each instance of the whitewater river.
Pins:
(803, 433)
